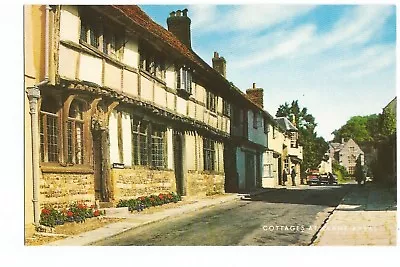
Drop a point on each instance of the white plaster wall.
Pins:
(112, 77)
(67, 65)
(190, 151)
(130, 83)
(113, 132)
(219, 104)
(131, 53)
(170, 77)
(201, 94)
(200, 112)
(127, 138)
(160, 96)
(90, 69)
(170, 149)
(181, 106)
(69, 23)
(171, 101)
(192, 109)
(146, 89)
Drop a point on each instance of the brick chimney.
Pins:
(179, 24)
(256, 95)
(219, 64)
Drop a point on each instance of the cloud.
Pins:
(206, 19)
(288, 45)
(357, 26)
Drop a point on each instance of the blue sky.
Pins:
(337, 60)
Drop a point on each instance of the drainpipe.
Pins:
(33, 94)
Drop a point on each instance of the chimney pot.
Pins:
(180, 26)
(219, 64)
(254, 85)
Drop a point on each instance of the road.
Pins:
(279, 217)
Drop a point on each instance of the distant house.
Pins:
(346, 154)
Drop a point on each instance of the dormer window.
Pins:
(184, 80)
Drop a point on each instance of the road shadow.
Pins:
(351, 197)
(329, 196)
(370, 197)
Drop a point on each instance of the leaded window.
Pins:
(75, 140)
(211, 101)
(209, 154)
(158, 147)
(140, 143)
(49, 130)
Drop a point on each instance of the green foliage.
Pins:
(77, 212)
(143, 202)
(362, 129)
(388, 122)
(340, 171)
(314, 147)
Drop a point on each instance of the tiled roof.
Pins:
(141, 19)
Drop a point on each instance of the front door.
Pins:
(250, 171)
(178, 162)
(99, 180)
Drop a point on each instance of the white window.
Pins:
(184, 79)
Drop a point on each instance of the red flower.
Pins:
(46, 211)
(81, 207)
(151, 199)
(169, 196)
(70, 213)
(141, 198)
(96, 213)
(161, 196)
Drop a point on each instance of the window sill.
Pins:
(57, 168)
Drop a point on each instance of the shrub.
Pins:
(143, 202)
(76, 212)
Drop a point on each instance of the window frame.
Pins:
(208, 154)
(211, 101)
(255, 119)
(226, 108)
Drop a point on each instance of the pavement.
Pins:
(134, 220)
(365, 217)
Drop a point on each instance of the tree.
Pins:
(314, 147)
(362, 129)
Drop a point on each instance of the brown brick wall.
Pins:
(61, 189)
(131, 183)
(201, 183)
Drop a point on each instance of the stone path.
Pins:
(366, 217)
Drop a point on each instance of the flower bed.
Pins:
(143, 202)
(76, 212)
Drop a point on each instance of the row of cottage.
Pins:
(118, 106)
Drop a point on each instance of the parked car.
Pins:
(324, 179)
(313, 178)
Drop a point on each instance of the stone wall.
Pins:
(132, 183)
(204, 183)
(61, 189)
